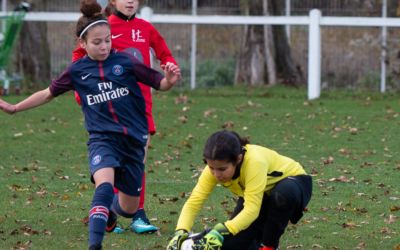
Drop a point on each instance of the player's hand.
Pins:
(212, 240)
(176, 241)
(172, 73)
(8, 108)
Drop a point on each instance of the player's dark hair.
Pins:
(91, 12)
(224, 145)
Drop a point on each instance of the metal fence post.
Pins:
(384, 48)
(193, 49)
(314, 55)
(287, 13)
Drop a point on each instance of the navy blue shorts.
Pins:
(123, 154)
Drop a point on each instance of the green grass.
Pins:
(348, 141)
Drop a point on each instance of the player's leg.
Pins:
(126, 201)
(100, 207)
(246, 239)
(103, 162)
(288, 198)
(140, 223)
(125, 204)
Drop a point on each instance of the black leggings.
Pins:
(286, 203)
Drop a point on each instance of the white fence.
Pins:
(314, 21)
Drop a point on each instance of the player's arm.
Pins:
(153, 78)
(255, 182)
(39, 98)
(160, 48)
(200, 193)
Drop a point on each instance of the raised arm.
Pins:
(36, 99)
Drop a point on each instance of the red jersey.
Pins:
(136, 36)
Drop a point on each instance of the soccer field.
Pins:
(349, 142)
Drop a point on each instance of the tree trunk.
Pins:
(33, 54)
(268, 47)
(289, 72)
(265, 48)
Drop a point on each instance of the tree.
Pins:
(264, 54)
(33, 53)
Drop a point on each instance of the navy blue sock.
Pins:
(98, 215)
(116, 208)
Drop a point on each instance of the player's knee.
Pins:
(279, 201)
(124, 211)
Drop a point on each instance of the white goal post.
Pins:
(314, 21)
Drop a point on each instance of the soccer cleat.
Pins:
(267, 248)
(140, 226)
(111, 222)
(118, 230)
(95, 247)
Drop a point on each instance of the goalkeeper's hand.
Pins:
(213, 240)
(180, 236)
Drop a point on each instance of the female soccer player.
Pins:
(272, 190)
(114, 110)
(136, 36)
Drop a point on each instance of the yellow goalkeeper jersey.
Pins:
(261, 169)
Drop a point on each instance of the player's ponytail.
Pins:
(224, 145)
(91, 16)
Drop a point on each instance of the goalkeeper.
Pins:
(272, 190)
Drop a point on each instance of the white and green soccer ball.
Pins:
(188, 243)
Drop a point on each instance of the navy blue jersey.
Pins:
(111, 98)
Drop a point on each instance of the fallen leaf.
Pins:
(349, 225)
(328, 160)
(16, 135)
(353, 131)
(228, 125)
(391, 219)
(181, 99)
(183, 119)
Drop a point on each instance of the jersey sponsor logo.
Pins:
(96, 160)
(116, 36)
(117, 70)
(84, 77)
(107, 93)
(137, 36)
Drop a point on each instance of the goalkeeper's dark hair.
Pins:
(224, 145)
(91, 13)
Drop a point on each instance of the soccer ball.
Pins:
(188, 243)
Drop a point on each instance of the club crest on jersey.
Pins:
(96, 160)
(137, 36)
(117, 70)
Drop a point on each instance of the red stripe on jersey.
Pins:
(112, 111)
(115, 117)
(101, 70)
